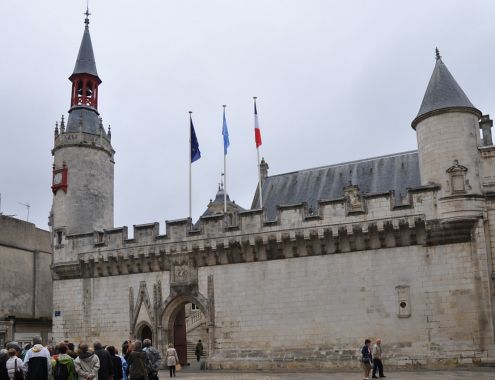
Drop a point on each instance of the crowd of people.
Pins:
(136, 361)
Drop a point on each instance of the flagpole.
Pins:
(190, 166)
(258, 156)
(224, 174)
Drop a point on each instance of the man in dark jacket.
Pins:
(37, 362)
(137, 362)
(117, 363)
(4, 375)
(153, 359)
(106, 365)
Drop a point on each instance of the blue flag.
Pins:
(195, 153)
(225, 133)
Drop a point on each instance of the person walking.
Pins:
(63, 367)
(37, 362)
(106, 365)
(153, 359)
(137, 362)
(87, 364)
(172, 359)
(14, 365)
(377, 359)
(199, 350)
(366, 358)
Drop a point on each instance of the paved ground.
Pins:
(478, 374)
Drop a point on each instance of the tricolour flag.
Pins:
(195, 152)
(257, 131)
(225, 133)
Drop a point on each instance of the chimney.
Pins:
(486, 125)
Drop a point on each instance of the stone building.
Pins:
(25, 281)
(398, 246)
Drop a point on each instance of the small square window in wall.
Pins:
(403, 301)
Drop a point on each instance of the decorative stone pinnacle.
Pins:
(437, 54)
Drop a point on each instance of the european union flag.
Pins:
(225, 133)
(195, 153)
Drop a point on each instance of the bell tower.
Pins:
(83, 165)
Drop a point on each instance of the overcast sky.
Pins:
(336, 81)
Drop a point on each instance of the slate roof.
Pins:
(396, 172)
(443, 92)
(217, 204)
(88, 116)
(85, 63)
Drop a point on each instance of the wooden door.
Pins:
(180, 340)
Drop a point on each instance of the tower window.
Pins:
(79, 88)
(59, 237)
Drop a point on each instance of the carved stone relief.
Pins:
(458, 182)
(354, 200)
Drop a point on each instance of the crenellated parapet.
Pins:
(354, 223)
(99, 141)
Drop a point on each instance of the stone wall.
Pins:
(317, 311)
(302, 291)
(25, 277)
(98, 308)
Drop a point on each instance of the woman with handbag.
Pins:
(366, 359)
(14, 366)
(172, 359)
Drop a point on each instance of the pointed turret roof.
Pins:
(443, 92)
(86, 63)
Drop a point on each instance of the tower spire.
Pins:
(437, 54)
(86, 20)
(443, 93)
(85, 83)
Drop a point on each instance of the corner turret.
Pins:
(447, 128)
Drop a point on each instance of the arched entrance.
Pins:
(185, 321)
(144, 332)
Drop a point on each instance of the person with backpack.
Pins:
(87, 364)
(153, 359)
(137, 362)
(37, 362)
(63, 367)
(14, 365)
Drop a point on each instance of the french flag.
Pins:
(257, 131)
